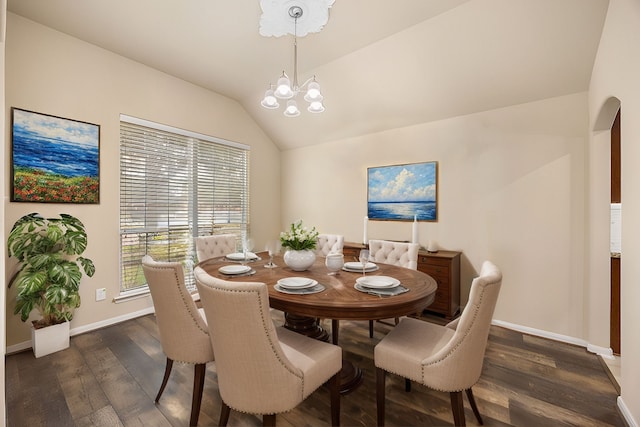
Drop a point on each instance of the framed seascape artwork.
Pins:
(54, 160)
(403, 192)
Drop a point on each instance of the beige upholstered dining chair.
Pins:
(183, 330)
(262, 369)
(395, 253)
(216, 245)
(445, 358)
(328, 243)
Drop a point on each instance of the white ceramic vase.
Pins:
(299, 260)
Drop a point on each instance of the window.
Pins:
(176, 185)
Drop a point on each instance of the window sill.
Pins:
(132, 295)
(141, 293)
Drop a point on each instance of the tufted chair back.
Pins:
(184, 334)
(328, 243)
(395, 253)
(445, 358)
(458, 364)
(183, 329)
(214, 246)
(282, 367)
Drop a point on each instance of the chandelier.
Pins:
(286, 90)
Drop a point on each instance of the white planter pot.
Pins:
(299, 260)
(50, 339)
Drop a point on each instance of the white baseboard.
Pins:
(602, 351)
(606, 352)
(87, 328)
(626, 413)
(112, 321)
(16, 348)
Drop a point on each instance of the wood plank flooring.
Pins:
(109, 377)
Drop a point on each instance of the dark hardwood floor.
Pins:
(110, 377)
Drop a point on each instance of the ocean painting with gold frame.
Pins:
(403, 192)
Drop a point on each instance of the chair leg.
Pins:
(457, 407)
(334, 384)
(407, 385)
(167, 372)
(198, 385)
(397, 319)
(380, 397)
(269, 420)
(335, 331)
(224, 414)
(472, 401)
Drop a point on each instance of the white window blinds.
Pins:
(175, 185)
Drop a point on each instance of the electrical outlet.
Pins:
(101, 294)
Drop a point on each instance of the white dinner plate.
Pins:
(296, 282)
(303, 291)
(386, 292)
(239, 256)
(359, 270)
(234, 269)
(377, 282)
(357, 266)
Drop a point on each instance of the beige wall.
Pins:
(3, 20)
(615, 77)
(511, 189)
(49, 72)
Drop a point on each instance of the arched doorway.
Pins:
(605, 205)
(616, 256)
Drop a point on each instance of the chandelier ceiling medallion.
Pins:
(276, 18)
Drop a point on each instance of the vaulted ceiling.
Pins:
(382, 64)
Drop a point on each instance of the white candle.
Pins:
(414, 231)
(364, 234)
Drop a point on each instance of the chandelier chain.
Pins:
(285, 90)
(295, 46)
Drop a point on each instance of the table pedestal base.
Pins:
(350, 376)
(307, 326)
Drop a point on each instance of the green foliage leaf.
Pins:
(31, 282)
(24, 307)
(54, 233)
(42, 261)
(72, 223)
(87, 266)
(56, 294)
(66, 274)
(75, 242)
(48, 280)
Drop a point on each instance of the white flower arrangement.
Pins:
(299, 237)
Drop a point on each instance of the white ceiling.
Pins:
(382, 64)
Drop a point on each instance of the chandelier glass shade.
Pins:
(287, 90)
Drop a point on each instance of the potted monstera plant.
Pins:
(49, 253)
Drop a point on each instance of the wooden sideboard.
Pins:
(351, 251)
(443, 266)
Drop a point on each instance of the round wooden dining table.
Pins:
(339, 300)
